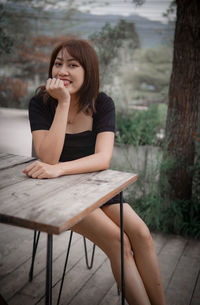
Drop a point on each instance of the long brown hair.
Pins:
(85, 54)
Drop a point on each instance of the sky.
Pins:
(151, 9)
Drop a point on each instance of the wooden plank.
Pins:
(12, 175)
(196, 292)
(77, 274)
(183, 281)
(13, 257)
(10, 287)
(160, 240)
(10, 236)
(37, 287)
(21, 299)
(193, 248)
(185, 277)
(95, 288)
(2, 300)
(38, 186)
(19, 291)
(2, 154)
(16, 197)
(112, 297)
(76, 278)
(10, 160)
(55, 213)
(169, 257)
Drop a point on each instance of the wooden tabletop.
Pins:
(53, 205)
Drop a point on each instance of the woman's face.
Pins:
(69, 71)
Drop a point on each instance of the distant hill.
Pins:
(151, 33)
(46, 22)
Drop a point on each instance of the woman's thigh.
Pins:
(134, 226)
(102, 230)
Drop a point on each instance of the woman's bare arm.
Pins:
(49, 143)
(100, 160)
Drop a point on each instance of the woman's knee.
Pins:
(127, 247)
(143, 235)
(115, 247)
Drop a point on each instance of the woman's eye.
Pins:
(73, 65)
(57, 64)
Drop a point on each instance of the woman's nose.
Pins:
(63, 71)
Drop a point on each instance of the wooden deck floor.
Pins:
(179, 260)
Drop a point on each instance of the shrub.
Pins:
(160, 213)
(140, 127)
(13, 92)
(179, 217)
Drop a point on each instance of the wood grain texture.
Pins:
(55, 205)
(79, 278)
(10, 160)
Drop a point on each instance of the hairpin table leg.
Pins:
(122, 248)
(48, 300)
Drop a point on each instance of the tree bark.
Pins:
(184, 98)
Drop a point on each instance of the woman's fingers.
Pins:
(37, 173)
(55, 87)
(53, 83)
(58, 83)
(43, 176)
(34, 169)
(30, 167)
(40, 170)
(48, 84)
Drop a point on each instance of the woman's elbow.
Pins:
(49, 160)
(106, 162)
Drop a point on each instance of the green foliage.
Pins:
(160, 214)
(147, 77)
(179, 217)
(195, 170)
(170, 12)
(149, 196)
(141, 127)
(110, 40)
(13, 31)
(22, 20)
(6, 41)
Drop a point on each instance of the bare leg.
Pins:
(144, 253)
(101, 230)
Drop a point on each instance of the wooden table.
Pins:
(55, 205)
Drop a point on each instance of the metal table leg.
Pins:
(35, 244)
(48, 299)
(122, 248)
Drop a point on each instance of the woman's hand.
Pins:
(40, 170)
(56, 88)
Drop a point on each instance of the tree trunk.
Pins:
(184, 98)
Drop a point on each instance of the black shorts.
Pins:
(114, 200)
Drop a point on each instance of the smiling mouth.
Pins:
(66, 82)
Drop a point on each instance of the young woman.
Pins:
(73, 132)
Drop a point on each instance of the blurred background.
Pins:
(134, 41)
(134, 45)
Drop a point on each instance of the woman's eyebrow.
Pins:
(69, 59)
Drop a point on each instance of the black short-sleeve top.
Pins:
(76, 145)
